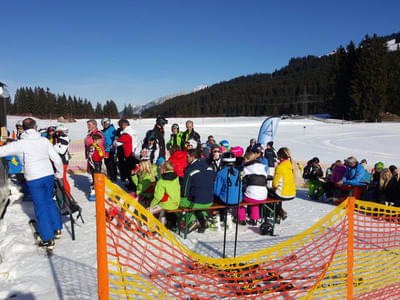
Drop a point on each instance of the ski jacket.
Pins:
(61, 147)
(167, 193)
(264, 161)
(354, 176)
(228, 186)
(178, 159)
(128, 141)
(144, 185)
(255, 180)
(188, 136)
(52, 138)
(109, 137)
(158, 133)
(96, 153)
(36, 154)
(175, 140)
(337, 173)
(215, 164)
(14, 165)
(89, 140)
(284, 182)
(270, 155)
(198, 184)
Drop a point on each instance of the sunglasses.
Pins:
(216, 151)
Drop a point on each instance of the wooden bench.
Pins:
(183, 211)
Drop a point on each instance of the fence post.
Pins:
(350, 246)
(102, 263)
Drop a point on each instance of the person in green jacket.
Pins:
(176, 137)
(167, 193)
(144, 180)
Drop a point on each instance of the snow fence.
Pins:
(353, 252)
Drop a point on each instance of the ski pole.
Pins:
(226, 211)
(237, 212)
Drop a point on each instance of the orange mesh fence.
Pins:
(145, 260)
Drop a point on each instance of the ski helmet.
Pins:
(192, 143)
(237, 151)
(51, 128)
(105, 121)
(161, 121)
(228, 158)
(159, 161)
(225, 144)
(18, 124)
(175, 126)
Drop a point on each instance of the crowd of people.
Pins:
(184, 172)
(380, 185)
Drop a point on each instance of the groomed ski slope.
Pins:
(27, 273)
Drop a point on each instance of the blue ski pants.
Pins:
(46, 211)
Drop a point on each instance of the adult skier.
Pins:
(190, 134)
(38, 155)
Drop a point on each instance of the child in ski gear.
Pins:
(51, 134)
(178, 159)
(313, 173)
(96, 154)
(167, 193)
(189, 134)
(176, 137)
(227, 184)
(109, 133)
(198, 189)
(284, 186)
(254, 186)
(153, 148)
(38, 155)
(144, 180)
(214, 160)
(381, 192)
(158, 133)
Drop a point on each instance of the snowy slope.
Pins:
(71, 272)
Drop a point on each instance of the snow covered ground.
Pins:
(27, 273)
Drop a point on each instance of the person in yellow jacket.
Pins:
(284, 186)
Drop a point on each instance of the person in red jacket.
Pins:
(96, 155)
(178, 159)
(128, 142)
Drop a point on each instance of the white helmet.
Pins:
(105, 121)
(19, 124)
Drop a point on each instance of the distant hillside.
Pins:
(137, 109)
(306, 85)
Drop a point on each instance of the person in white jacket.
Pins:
(38, 157)
(254, 186)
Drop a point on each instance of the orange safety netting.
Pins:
(145, 260)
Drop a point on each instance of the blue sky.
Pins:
(135, 51)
